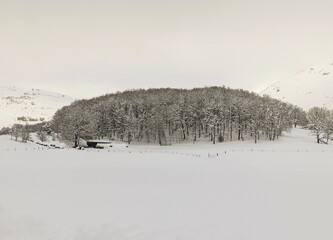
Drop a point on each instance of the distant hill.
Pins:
(308, 88)
(29, 105)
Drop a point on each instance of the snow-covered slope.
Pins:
(308, 88)
(33, 105)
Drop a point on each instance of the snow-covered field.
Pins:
(281, 190)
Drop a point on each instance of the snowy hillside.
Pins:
(308, 88)
(33, 105)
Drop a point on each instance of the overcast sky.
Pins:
(86, 48)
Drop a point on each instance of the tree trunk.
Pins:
(195, 131)
(183, 129)
(199, 130)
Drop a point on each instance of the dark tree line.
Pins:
(23, 132)
(20, 131)
(177, 115)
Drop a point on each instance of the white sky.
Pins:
(86, 48)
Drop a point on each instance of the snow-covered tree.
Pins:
(16, 131)
(42, 135)
(25, 133)
(317, 118)
(328, 126)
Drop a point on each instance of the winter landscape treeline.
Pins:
(177, 115)
(23, 132)
(164, 116)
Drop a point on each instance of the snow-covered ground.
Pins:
(311, 87)
(281, 190)
(35, 104)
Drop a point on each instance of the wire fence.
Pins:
(195, 153)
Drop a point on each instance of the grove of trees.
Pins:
(20, 131)
(166, 115)
(23, 132)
